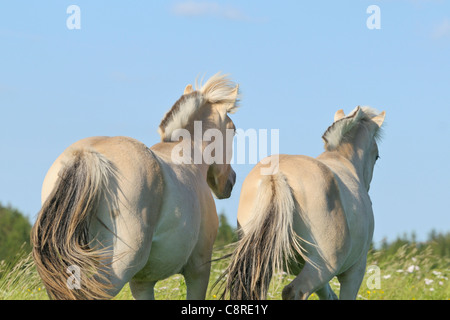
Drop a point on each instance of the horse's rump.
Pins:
(268, 241)
(60, 235)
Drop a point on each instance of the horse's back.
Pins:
(308, 178)
(135, 164)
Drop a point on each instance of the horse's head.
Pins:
(221, 176)
(201, 117)
(218, 135)
(355, 137)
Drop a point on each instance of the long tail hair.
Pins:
(268, 242)
(60, 235)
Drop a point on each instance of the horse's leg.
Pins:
(351, 280)
(197, 270)
(123, 264)
(142, 290)
(326, 293)
(197, 279)
(128, 240)
(309, 280)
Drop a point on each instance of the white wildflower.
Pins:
(428, 281)
(412, 268)
(387, 276)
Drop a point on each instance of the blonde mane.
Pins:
(217, 90)
(341, 129)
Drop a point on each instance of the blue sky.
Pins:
(296, 62)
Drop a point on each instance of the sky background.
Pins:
(297, 63)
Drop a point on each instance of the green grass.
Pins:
(19, 279)
(408, 274)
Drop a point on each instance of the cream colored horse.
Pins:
(115, 211)
(313, 215)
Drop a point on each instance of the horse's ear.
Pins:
(356, 114)
(188, 89)
(235, 92)
(232, 107)
(339, 129)
(339, 115)
(379, 119)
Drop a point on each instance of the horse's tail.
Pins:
(70, 267)
(268, 241)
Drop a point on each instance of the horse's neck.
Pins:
(337, 163)
(345, 159)
(163, 151)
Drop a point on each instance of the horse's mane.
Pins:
(342, 129)
(217, 90)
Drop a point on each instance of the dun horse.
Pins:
(115, 211)
(313, 216)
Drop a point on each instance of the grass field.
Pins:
(408, 274)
